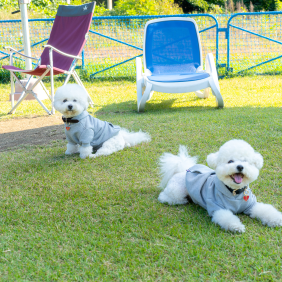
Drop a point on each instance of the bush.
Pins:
(145, 7)
(45, 8)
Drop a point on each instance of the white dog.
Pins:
(86, 134)
(224, 191)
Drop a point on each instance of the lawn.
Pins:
(67, 219)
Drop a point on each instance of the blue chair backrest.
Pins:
(172, 47)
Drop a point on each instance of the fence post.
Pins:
(228, 44)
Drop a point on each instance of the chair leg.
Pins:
(139, 80)
(143, 95)
(52, 92)
(24, 94)
(67, 78)
(141, 101)
(203, 94)
(12, 90)
(44, 88)
(52, 79)
(216, 93)
(139, 91)
(79, 82)
(211, 69)
(41, 104)
(150, 96)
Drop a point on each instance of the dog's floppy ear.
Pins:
(258, 160)
(212, 160)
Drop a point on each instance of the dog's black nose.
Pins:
(240, 167)
(70, 107)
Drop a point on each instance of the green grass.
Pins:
(67, 219)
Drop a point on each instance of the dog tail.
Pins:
(171, 164)
(134, 138)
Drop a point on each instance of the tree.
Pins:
(190, 6)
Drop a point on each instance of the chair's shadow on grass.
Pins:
(156, 107)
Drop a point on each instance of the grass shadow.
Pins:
(36, 136)
(131, 107)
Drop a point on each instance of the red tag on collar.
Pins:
(67, 128)
(246, 198)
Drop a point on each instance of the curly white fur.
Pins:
(232, 154)
(71, 100)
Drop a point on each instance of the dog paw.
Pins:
(83, 156)
(275, 221)
(69, 152)
(163, 198)
(72, 149)
(92, 156)
(236, 228)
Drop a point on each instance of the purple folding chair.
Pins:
(67, 39)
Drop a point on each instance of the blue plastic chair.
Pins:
(172, 58)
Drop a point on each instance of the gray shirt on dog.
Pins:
(90, 131)
(206, 190)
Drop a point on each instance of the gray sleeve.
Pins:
(86, 137)
(213, 206)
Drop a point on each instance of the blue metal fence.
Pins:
(239, 42)
(254, 42)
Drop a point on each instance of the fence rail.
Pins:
(243, 42)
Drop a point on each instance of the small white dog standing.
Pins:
(86, 134)
(224, 191)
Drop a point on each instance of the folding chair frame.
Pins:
(25, 92)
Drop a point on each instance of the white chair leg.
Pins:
(145, 97)
(45, 89)
(139, 86)
(150, 96)
(203, 94)
(79, 82)
(52, 80)
(211, 69)
(216, 93)
(24, 94)
(41, 104)
(12, 90)
(139, 81)
(52, 91)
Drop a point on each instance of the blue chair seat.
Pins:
(178, 77)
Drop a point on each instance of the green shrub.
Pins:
(145, 7)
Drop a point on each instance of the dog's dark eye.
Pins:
(231, 162)
(65, 100)
(74, 100)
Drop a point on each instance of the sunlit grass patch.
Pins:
(68, 219)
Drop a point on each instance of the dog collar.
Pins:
(239, 191)
(236, 191)
(69, 120)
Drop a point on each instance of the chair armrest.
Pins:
(62, 53)
(15, 51)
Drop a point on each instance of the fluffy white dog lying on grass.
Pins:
(224, 191)
(87, 135)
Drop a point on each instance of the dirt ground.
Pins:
(30, 131)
